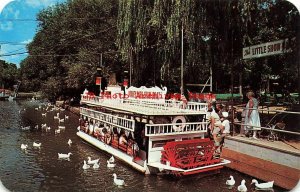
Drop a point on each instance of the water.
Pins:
(39, 169)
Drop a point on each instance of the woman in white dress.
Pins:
(252, 119)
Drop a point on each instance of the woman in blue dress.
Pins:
(252, 119)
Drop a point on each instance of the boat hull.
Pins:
(109, 149)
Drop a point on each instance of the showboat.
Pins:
(159, 136)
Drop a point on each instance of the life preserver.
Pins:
(182, 120)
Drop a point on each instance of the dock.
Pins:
(263, 159)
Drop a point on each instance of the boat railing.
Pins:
(163, 106)
(175, 128)
(113, 120)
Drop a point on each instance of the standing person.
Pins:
(252, 115)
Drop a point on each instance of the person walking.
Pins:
(252, 119)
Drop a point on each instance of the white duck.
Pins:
(267, 185)
(57, 131)
(96, 166)
(110, 165)
(24, 146)
(36, 144)
(231, 181)
(118, 181)
(3, 188)
(64, 156)
(90, 161)
(242, 187)
(61, 127)
(85, 166)
(69, 142)
(112, 159)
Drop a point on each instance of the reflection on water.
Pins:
(40, 169)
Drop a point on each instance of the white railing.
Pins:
(176, 128)
(148, 107)
(116, 121)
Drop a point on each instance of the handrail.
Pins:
(278, 130)
(175, 128)
(121, 122)
(278, 111)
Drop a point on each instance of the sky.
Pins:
(18, 26)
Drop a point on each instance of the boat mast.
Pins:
(181, 78)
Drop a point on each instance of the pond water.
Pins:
(39, 169)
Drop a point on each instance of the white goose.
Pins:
(96, 166)
(64, 156)
(242, 187)
(85, 166)
(66, 117)
(36, 144)
(110, 165)
(90, 161)
(61, 120)
(231, 181)
(267, 185)
(25, 128)
(118, 181)
(112, 159)
(57, 131)
(44, 114)
(69, 142)
(24, 146)
(3, 188)
(61, 127)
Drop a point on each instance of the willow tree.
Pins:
(214, 34)
(149, 34)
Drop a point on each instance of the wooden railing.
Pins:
(116, 121)
(176, 128)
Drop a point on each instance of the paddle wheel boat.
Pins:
(162, 136)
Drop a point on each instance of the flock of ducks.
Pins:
(243, 188)
(86, 164)
(110, 164)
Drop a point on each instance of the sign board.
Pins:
(98, 80)
(265, 49)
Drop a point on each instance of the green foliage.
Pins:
(8, 75)
(66, 49)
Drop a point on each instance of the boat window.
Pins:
(160, 143)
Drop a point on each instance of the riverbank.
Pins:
(72, 109)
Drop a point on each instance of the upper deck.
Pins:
(149, 108)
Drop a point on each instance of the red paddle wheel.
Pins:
(189, 154)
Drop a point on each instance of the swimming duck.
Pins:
(118, 181)
(96, 166)
(69, 142)
(112, 159)
(24, 146)
(90, 161)
(64, 156)
(110, 165)
(36, 144)
(231, 181)
(262, 185)
(85, 166)
(242, 187)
